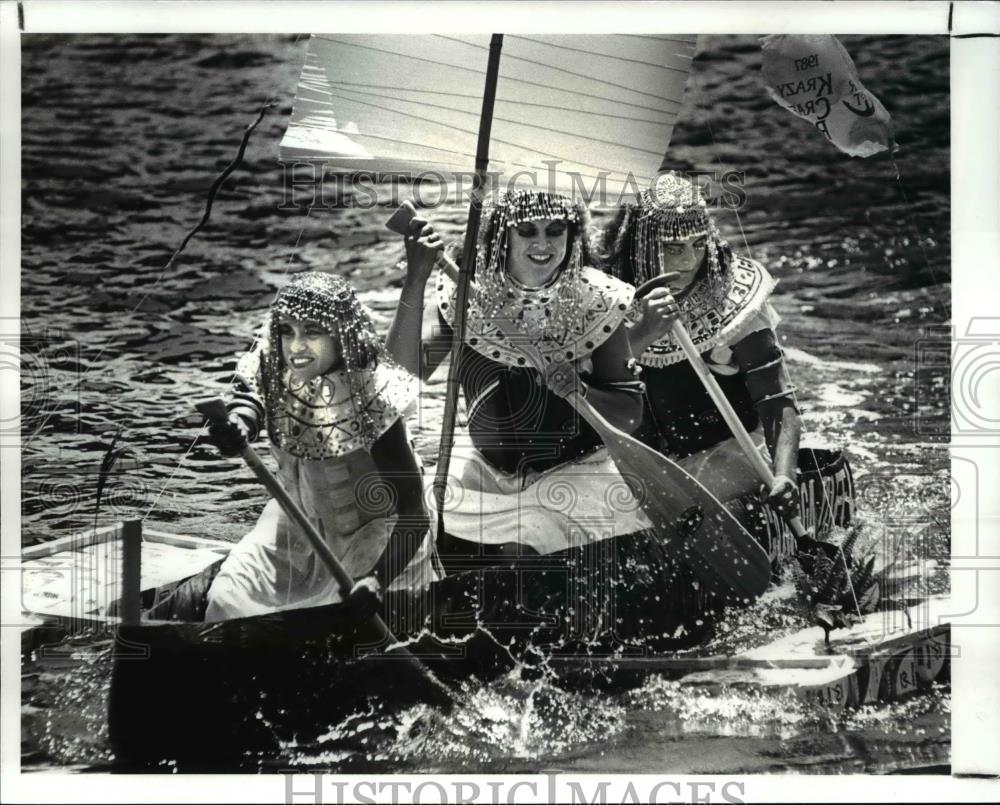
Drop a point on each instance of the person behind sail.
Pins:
(538, 474)
(333, 402)
(722, 301)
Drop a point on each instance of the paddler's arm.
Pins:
(611, 387)
(762, 363)
(397, 465)
(414, 331)
(657, 311)
(243, 424)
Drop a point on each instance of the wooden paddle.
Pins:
(215, 411)
(399, 222)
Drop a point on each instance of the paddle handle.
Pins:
(399, 223)
(215, 411)
(659, 281)
(729, 415)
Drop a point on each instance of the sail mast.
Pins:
(468, 261)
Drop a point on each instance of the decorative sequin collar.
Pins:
(334, 414)
(599, 304)
(709, 320)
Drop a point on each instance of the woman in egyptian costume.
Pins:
(339, 440)
(722, 300)
(531, 475)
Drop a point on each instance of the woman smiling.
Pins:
(334, 407)
(536, 477)
(537, 251)
(308, 349)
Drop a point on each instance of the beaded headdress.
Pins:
(329, 301)
(567, 319)
(508, 209)
(724, 297)
(677, 206)
(494, 288)
(674, 209)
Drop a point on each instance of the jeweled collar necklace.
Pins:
(540, 316)
(712, 319)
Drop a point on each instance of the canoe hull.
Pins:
(290, 675)
(887, 656)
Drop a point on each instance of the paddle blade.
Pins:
(399, 221)
(726, 558)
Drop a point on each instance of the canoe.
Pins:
(887, 656)
(182, 688)
(73, 584)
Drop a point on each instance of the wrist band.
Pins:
(790, 392)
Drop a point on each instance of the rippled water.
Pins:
(122, 137)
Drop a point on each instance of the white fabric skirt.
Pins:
(724, 469)
(581, 501)
(274, 568)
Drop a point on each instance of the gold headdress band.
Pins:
(674, 209)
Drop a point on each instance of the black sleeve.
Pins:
(246, 405)
(614, 366)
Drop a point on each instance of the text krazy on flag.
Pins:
(813, 77)
(569, 109)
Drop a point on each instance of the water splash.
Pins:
(492, 724)
(64, 703)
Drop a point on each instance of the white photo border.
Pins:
(975, 176)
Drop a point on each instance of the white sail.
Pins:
(569, 109)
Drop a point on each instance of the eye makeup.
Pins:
(529, 229)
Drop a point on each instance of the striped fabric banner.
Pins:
(569, 109)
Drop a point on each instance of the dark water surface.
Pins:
(122, 136)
